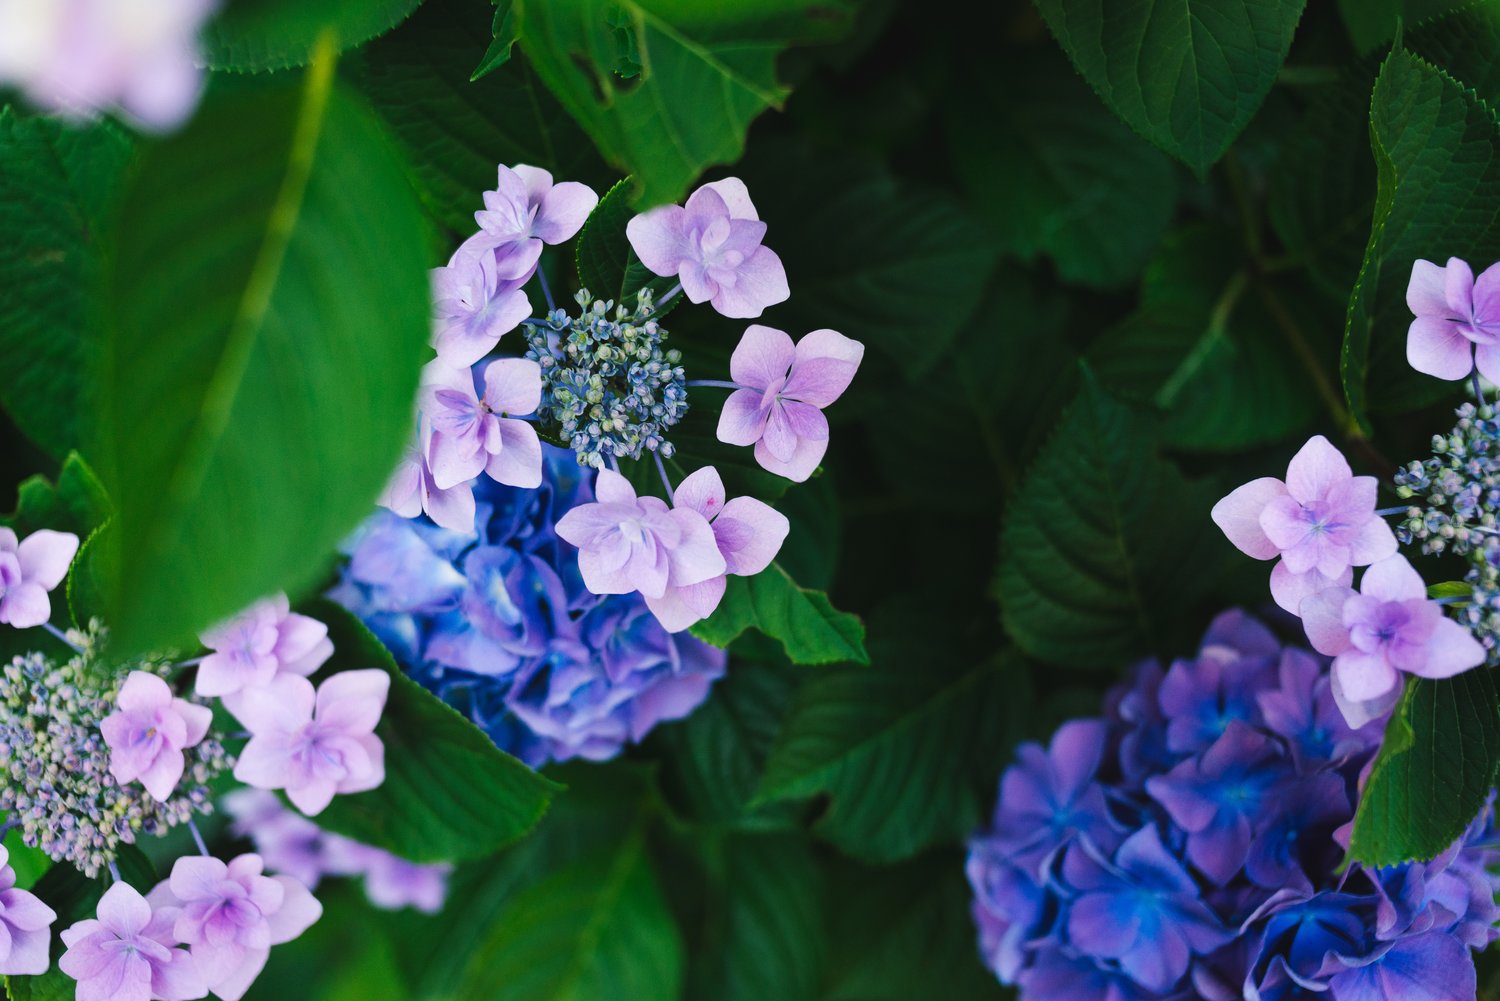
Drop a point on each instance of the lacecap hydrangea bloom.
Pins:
(1189, 843)
(499, 623)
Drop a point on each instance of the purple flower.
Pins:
(629, 544)
(479, 297)
(127, 953)
(783, 389)
(1321, 522)
(314, 745)
(1202, 697)
(148, 732)
(391, 882)
(287, 841)
(1056, 976)
(472, 432)
(748, 532)
(29, 570)
(412, 491)
(1457, 321)
(1302, 711)
(1431, 967)
(1296, 832)
(1053, 795)
(25, 927)
(1388, 627)
(713, 246)
(1141, 909)
(264, 640)
(230, 915)
(527, 208)
(81, 57)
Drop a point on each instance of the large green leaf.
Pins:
(269, 319)
(255, 35)
(1435, 771)
(1438, 172)
(455, 131)
(1094, 542)
(449, 793)
(1186, 74)
(607, 264)
(1057, 174)
(810, 629)
(57, 183)
(667, 88)
(1372, 23)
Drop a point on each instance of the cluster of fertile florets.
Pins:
(608, 385)
(58, 786)
(1190, 844)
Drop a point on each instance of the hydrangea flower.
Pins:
(628, 543)
(1321, 523)
(264, 640)
(1214, 871)
(713, 247)
(391, 882)
(526, 208)
(748, 532)
(128, 953)
(25, 927)
(471, 432)
(81, 57)
(314, 744)
(782, 390)
(1457, 323)
(1389, 626)
(229, 916)
(497, 621)
(148, 732)
(477, 298)
(413, 491)
(28, 570)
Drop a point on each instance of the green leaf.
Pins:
(77, 503)
(1373, 23)
(1434, 773)
(54, 985)
(1438, 178)
(607, 265)
(1186, 74)
(266, 339)
(1056, 173)
(1094, 540)
(28, 863)
(708, 69)
(449, 793)
(505, 33)
(596, 928)
(1451, 589)
(455, 131)
(810, 629)
(57, 183)
(904, 755)
(256, 35)
(88, 578)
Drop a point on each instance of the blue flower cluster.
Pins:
(499, 624)
(1188, 845)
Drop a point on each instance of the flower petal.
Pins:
(1315, 469)
(763, 356)
(1435, 347)
(1238, 516)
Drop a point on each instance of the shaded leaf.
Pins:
(256, 35)
(810, 629)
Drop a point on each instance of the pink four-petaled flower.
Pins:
(413, 491)
(478, 298)
(28, 570)
(128, 953)
(25, 927)
(1457, 323)
(527, 209)
(264, 640)
(471, 432)
(148, 732)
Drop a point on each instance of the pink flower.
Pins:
(29, 570)
(25, 927)
(629, 544)
(748, 532)
(778, 406)
(527, 208)
(391, 882)
(1457, 321)
(472, 432)
(478, 298)
(229, 916)
(713, 246)
(412, 491)
(264, 640)
(127, 954)
(289, 843)
(1321, 522)
(1388, 627)
(149, 731)
(314, 744)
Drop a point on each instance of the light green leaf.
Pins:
(449, 793)
(810, 629)
(57, 184)
(270, 316)
(256, 35)
(1435, 771)
(1186, 74)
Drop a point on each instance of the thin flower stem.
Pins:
(190, 662)
(197, 837)
(1478, 387)
(7, 827)
(668, 296)
(662, 469)
(721, 383)
(114, 872)
(541, 276)
(1386, 512)
(1452, 599)
(62, 636)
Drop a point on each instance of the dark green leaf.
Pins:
(607, 266)
(1372, 23)
(810, 629)
(77, 503)
(255, 35)
(270, 316)
(449, 793)
(54, 985)
(1435, 771)
(504, 32)
(1186, 74)
(57, 183)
